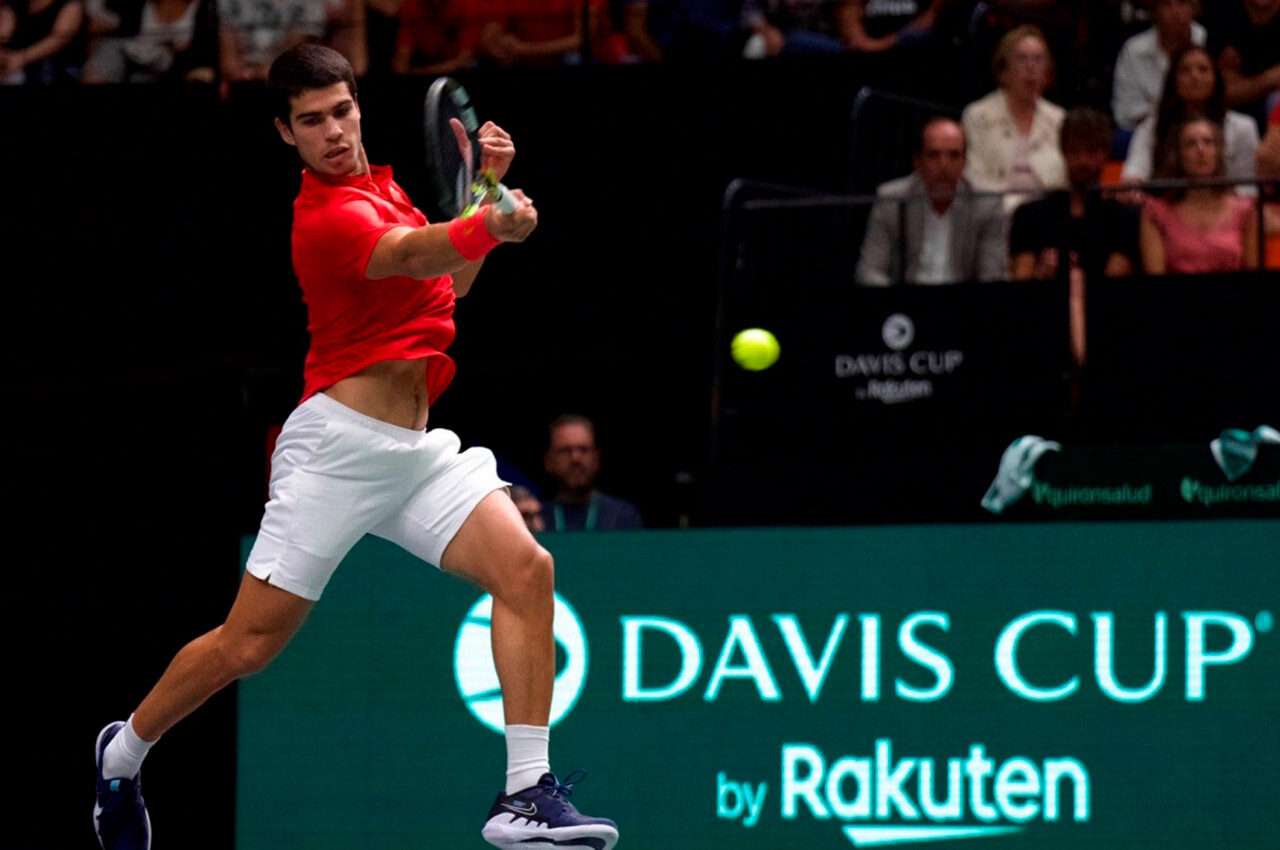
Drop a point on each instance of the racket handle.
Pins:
(506, 203)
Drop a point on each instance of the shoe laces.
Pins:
(564, 790)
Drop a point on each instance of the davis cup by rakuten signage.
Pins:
(1017, 686)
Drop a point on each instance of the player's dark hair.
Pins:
(1085, 127)
(303, 68)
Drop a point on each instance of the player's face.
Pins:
(1198, 147)
(573, 458)
(1195, 78)
(324, 125)
(941, 159)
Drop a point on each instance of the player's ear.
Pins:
(285, 132)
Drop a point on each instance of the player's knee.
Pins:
(246, 655)
(530, 577)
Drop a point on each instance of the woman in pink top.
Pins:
(1198, 230)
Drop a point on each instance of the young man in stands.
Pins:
(1099, 234)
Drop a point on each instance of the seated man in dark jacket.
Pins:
(573, 462)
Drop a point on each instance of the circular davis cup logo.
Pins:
(477, 678)
(898, 331)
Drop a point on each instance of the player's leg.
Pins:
(463, 520)
(494, 549)
(328, 486)
(262, 620)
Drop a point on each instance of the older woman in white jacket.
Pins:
(1013, 132)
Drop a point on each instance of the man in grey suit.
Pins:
(929, 227)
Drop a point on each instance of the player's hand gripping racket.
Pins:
(453, 153)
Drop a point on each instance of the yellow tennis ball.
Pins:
(754, 349)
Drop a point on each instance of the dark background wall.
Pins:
(156, 332)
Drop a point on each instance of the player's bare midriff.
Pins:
(394, 391)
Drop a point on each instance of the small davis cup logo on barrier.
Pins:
(898, 331)
(478, 678)
(900, 373)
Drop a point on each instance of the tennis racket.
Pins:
(453, 153)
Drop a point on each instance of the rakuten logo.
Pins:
(903, 799)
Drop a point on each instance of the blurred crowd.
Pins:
(1187, 90)
(1018, 188)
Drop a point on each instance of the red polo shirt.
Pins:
(355, 322)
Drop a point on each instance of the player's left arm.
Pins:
(429, 251)
(496, 152)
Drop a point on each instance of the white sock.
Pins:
(527, 756)
(122, 759)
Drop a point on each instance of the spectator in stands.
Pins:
(438, 36)
(1199, 229)
(1244, 37)
(1100, 234)
(1013, 131)
(683, 30)
(41, 41)
(253, 32)
(794, 27)
(1144, 59)
(1193, 89)
(1269, 168)
(872, 26)
(529, 506)
(541, 32)
(153, 40)
(573, 462)
(931, 221)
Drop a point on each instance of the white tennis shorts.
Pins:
(337, 475)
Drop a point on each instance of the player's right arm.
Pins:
(429, 251)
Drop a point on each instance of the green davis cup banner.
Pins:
(1064, 685)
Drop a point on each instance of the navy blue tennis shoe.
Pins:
(119, 815)
(542, 818)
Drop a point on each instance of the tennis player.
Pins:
(355, 457)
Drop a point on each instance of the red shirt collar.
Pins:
(378, 176)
